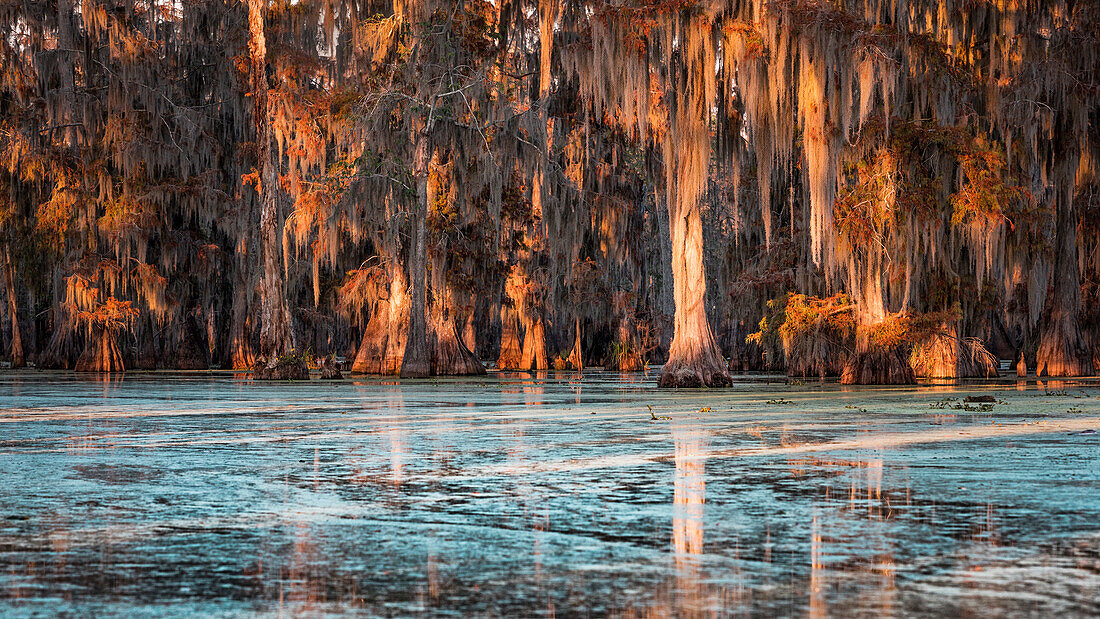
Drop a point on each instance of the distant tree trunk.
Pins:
(418, 355)
(17, 359)
(534, 345)
(510, 347)
(624, 355)
(575, 360)
(529, 310)
(450, 354)
(469, 333)
(276, 333)
(871, 364)
(946, 355)
(1062, 349)
(240, 355)
(66, 117)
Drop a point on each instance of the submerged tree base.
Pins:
(288, 367)
(102, 356)
(878, 366)
(1063, 352)
(329, 371)
(685, 375)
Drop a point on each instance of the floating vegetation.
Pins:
(653, 417)
(973, 404)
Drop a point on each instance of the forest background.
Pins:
(870, 189)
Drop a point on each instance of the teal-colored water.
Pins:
(194, 494)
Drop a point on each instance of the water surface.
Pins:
(517, 495)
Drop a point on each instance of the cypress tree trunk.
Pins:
(693, 358)
(102, 354)
(276, 335)
(1062, 349)
(510, 348)
(67, 103)
(575, 360)
(418, 355)
(450, 354)
(382, 348)
(17, 359)
(240, 354)
(534, 346)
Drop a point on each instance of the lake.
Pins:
(200, 494)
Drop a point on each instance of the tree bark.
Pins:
(240, 354)
(510, 348)
(382, 348)
(102, 355)
(946, 355)
(575, 360)
(694, 359)
(276, 333)
(1062, 349)
(534, 346)
(17, 359)
(450, 354)
(417, 361)
(66, 108)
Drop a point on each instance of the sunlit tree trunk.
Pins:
(102, 354)
(694, 359)
(17, 360)
(382, 348)
(276, 333)
(510, 347)
(534, 345)
(575, 360)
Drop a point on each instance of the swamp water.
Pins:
(511, 495)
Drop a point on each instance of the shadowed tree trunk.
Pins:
(17, 360)
(450, 354)
(575, 360)
(1062, 349)
(417, 359)
(240, 354)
